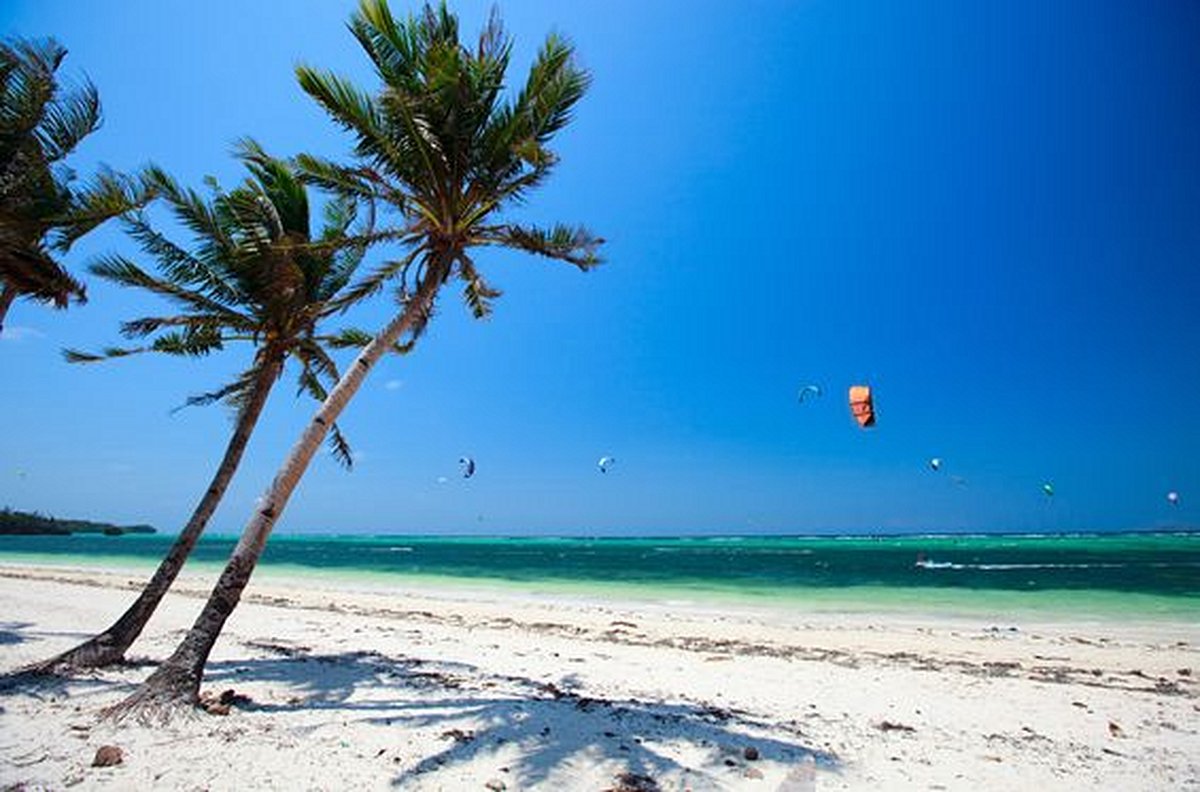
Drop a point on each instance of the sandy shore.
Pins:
(345, 687)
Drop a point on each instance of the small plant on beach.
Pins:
(442, 144)
(256, 274)
(42, 210)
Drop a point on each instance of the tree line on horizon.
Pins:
(14, 522)
(440, 150)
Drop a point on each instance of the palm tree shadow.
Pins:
(328, 681)
(40, 683)
(479, 714)
(51, 686)
(14, 633)
(555, 732)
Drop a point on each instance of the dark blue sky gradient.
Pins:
(988, 212)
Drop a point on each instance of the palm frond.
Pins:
(392, 47)
(79, 356)
(33, 273)
(231, 393)
(374, 282)
(339, 447)
(148, 325)
(29, 84)
(359, 182)
(354, 110)
(575, 245)
(477, 293)
(190, 342)
(181, 266)
(192, 210)
(555, 84)
(73, 115)
(277, 183)
(120, 270)
(108, 195)
(42, 120)
(348, 338)
(315, 366)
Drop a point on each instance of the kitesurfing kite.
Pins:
(935, 463)
(861, 406)
(809, 391)
(1048, 488)
(1173, 498)
(468, 466)
(605, 463)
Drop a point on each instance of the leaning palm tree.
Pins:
(255, 274)
(42, 210)
(442, 144)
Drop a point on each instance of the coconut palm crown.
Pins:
(442, 142)
(42, 208)
(255, 274)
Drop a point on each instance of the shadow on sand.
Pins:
(14, 633)
(480, 715)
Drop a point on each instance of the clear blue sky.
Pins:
(990, 212)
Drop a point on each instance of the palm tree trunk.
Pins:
(109, 646)
(177, 680)
(7, 295)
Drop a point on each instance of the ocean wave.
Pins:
(1006, 567)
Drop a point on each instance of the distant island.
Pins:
(16, 522)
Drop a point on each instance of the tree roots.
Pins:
(168, 693)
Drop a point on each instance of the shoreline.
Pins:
(893, 601)
(454, 688)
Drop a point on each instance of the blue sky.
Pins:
(988, 212)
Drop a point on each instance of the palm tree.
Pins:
(442, 145)
(255, 274)
(41, 210)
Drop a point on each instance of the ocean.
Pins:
(1127, 575)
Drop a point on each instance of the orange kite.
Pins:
(860, 405)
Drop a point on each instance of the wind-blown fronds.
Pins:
(349, 338)
(574, 245)
(253, 271)
(444, 146)
(42, 210)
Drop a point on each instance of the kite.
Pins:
(1173, 498)
(861, 406)
(1048, 488)
(605, 463)
(468, 466)
(935, 463)
(807, 391)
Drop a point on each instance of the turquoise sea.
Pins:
(1134, 574)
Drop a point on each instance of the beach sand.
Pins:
(341, 685)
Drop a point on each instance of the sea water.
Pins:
(1118, 575)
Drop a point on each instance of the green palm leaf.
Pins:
(42, 209)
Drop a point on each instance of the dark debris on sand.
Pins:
(220, 704)
(634, 782)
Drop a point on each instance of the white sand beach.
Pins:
(340, 686)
